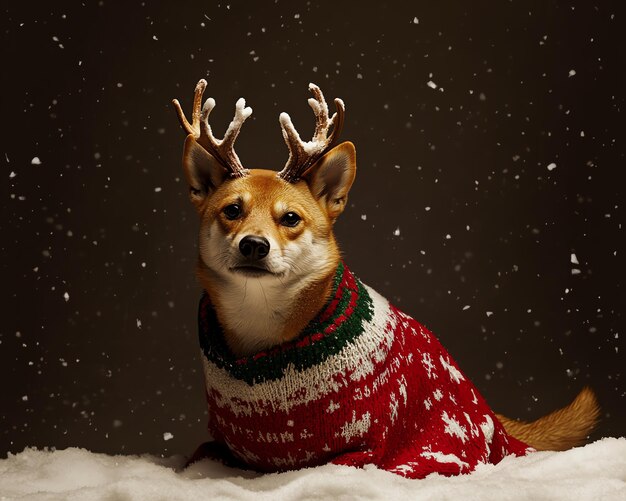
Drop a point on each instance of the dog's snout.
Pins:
(254, 248)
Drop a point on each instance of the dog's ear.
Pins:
(203, 172)
(331, 177)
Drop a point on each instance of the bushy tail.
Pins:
(560, 430)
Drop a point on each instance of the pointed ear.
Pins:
(331, 177)
(202, 171)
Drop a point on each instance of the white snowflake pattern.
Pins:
(357, 427)
(427, 361)
(402, 388)
(488, 428)
(455, 375)
(474, 397)
(453, 427)
(393, 408)
(332, 407)
(440, 457)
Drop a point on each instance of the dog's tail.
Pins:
(560, 430)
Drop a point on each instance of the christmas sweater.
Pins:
(362, 384)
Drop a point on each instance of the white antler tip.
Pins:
(284, 118)
(314, 104)
(339, 103)
(241, 109)
(312, 86)
(201, 85)
(209, 104)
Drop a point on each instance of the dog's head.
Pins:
(262, 224)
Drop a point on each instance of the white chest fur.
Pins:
(255, 311)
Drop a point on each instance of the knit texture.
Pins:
(363, 383)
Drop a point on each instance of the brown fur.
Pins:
(562, 429)
(318, 198)
(266, 189)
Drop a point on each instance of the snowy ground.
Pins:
(597, 471)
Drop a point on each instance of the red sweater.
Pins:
(363, 383)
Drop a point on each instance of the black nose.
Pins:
(254, 248)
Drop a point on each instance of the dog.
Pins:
(304, 364)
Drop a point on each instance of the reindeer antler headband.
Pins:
(302, 155)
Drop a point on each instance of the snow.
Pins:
(596, 471)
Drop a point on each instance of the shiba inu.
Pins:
(304, 364)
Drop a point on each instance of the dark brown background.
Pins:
(86, 88)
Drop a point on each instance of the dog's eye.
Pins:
(290, 219)
(232, 211)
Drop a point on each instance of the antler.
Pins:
(221, 149)
(304, 154)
